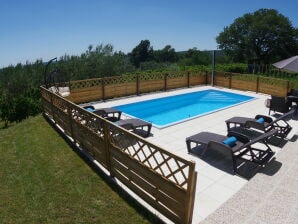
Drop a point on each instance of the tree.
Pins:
(195, 57)
(167, 54)
(263, 37)
(141, 53)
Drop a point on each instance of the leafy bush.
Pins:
(17, 108)
(235, 68)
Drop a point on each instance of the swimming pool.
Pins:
(166, 111)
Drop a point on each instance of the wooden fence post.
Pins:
(103, 88)
(230, 80)
(288, 86)
(43, 100)
(257, 85)
(52, 108)
(165, 81)
(188, 79)
(138, 84)
(70, 120)
(190, 195)
(106, 137)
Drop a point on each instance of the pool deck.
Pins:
(222, 197)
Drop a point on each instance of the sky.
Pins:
(39, 29)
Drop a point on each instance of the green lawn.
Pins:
(42, 180)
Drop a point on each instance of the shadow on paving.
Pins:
(271, 168)
(246, 169)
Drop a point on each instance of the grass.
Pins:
(44, 181)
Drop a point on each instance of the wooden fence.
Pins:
(259, 84)
(117, 86)
(165, 181)
(105, 88)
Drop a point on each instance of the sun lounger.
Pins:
(243, 148)
(263, 123)
(111, 114)
(138, 126)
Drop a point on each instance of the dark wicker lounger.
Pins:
(111, 114)
(136, 125)
(243, 150)
(280, 124)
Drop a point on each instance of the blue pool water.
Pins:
(163, 112)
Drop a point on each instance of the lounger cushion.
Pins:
(90, 109)
(64, 91)
(260, 120)
(231, 141)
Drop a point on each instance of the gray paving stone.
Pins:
(269, 213)
(231, 217)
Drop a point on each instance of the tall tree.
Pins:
(263, 36)
(167, 54)
(141, 53)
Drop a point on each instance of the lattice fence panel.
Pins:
(59, 103)
(81, 84)
(177, 74)
(151, 76)
(162, 162)
(120, 79)
(89, 120)
(88, 132)
(197, 73)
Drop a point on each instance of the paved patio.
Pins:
(217, 189)
(270, 197)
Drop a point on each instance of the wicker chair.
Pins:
(279, 104)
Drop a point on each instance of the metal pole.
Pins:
(45, 71)
(213, 68)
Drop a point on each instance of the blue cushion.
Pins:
(260, 120)
(231, 141)
(90, 109)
